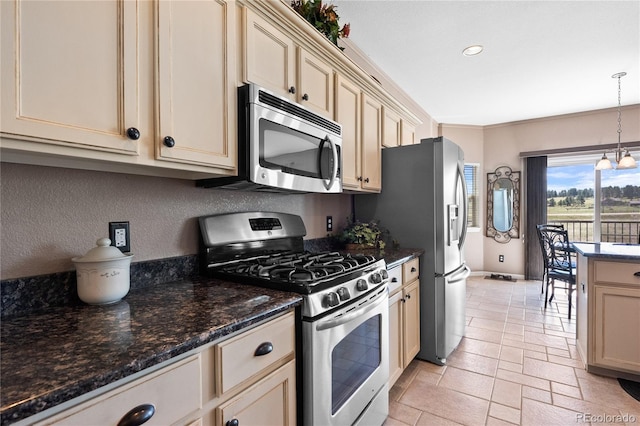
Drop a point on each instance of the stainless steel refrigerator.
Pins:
(423, 205)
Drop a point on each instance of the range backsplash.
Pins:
(22, 296)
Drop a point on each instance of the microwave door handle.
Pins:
(334, 172)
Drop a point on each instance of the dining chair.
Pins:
(559, 266)
(538, 229)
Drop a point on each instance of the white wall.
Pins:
(50, 215)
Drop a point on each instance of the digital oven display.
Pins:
(265, 224)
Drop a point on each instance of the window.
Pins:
(473, 203)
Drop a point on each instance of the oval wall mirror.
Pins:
(503, 204)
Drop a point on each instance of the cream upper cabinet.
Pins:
(391, 128)
(70, 73)
(348, 115)
(89, 81)
(408, 133)
(371, 144)
(195, 85)
(274, 61)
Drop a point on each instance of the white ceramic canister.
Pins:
(103, 274)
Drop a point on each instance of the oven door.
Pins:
(290, 153)
(346, 364)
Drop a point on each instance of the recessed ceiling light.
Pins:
(473, 50)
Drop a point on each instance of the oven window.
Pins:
(294, 152)
(353, 360)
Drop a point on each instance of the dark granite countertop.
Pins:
(62, 353)
(611, 251)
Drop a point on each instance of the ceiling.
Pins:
(540, 58)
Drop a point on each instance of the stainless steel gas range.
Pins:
(345, 323)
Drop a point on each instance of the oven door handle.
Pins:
(355, 313)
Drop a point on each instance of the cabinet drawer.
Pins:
(411, 270)
(617, 272)
(395, 279)
(174, 392)
(236, 359)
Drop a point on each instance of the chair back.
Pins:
(556, 249)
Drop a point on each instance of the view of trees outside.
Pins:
(570, 201)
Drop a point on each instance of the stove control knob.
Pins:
(375, 278)
(361, 285)
(384, 274)
(330, 300)
(343, 293)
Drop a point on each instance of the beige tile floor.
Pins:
(517, 364)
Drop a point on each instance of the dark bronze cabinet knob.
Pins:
(292, 90)
(138, 415)
(133, 133)
(366, 180)
(305, 97)
(169, 142)
(233, 422)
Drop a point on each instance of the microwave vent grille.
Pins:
(293, 109)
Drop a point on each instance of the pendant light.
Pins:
(625, 161)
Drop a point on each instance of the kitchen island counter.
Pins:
(609, 250)
(62, 353)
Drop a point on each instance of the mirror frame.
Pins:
(504, 172)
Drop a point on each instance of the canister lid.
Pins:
(103, 252)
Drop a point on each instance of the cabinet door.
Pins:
(196, 90)
(616, 327)
(70, 73)
(348, 115)
(371, 144)
(315, 84)
(272, 401)
(269, 56)
(390, 128)
(411, 321)
(396, 341)
(408, 133)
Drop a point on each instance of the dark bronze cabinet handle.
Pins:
(637, 274)
(264, 349)
(408, 296)
(233, 422)
(394, 280)
(169, 141)
(305, 97)
(133, 133)
(413, 269)
(292, 90)
(138, 415)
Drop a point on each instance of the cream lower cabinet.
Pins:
(273, 60)
(611, 307)
(404, 317)
(173, 392)
(120, 82)
(249, 377)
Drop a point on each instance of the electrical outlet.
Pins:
(119, 236)
(501, 258)
(329, 223)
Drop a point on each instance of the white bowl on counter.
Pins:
(103, 274)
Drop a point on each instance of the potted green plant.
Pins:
(359, 235)
(323, 17)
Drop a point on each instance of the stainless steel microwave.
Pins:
(283, 147)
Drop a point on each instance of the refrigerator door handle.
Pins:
(459, 275)
(463, 234)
